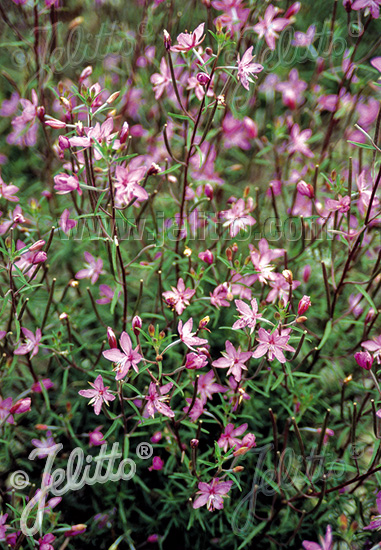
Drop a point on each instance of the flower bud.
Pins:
(203, 79)
(208, 190)
(194, 443)
(204, 321)
(237, 469)
(63, 142)
(287, 274)
(364, 359)
(306, 273)
(369, 316)
(54, 123)
(112, 342)
(137, 324)
(21, 406)
(112, 97)
(208, 51)
(37, 245)
(41, 113)
(206, 257)
(304, 304)
(39, 257)
(229, 254)
(301, 319)
(250, 127)
(305, 189)
(167, 40)
(87, 71)
(153, 169)
(151, 330)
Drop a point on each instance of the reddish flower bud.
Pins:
(305, 189)
(208, 190)
(306, 273)
(194, 443)
(151, 330)
(54, 123)
(39, 257)
(21, 406)
(304, 304)
(63, 142)
(204, 321)
(203, 79)
(229, 254)
(206, 257)
(123, 134)
(369, 316)
(87, 71)
(37, 245)
(137, 324)
(292, 10)
(112, 342)
(250, 127)
(41, 113)
(364, 359)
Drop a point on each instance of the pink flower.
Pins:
(273, 344)
(207, 386)
(187, 41)
(220, 296)
(156, 437)
(106, 294)
(157, 464)
(197, 409)
(195, 361)
(364, 359)
(376, 520)
(32, 341)
(248, 316)
(212, 494)
(206, 257)
(328, 433)
(305, 189)
(155, 399)
(65, 222)
(304, 304)
(292, 90)
(127, 186)
(98, 395)
(304, 39)
(247, 443)
(234, 360)
(76, 530)
(372, 5)
(64, 183)
(45, 541)
(46, 382)
(374, 346)
(342, 205)
(246, 68)
(25, 126)
(229, 437)
(93, 269)
(325, 543)
(7, 192)
(161, 81)
(126, 359)
(45, 444)
(96, 437)
(3, 526)
(298, 141)
(237, 217)
(179, 297)
(5, 410)
(21, 406)
(187, 336)
(268, 27)
(376, 62)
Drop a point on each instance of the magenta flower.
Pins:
(325, 543)
(45, 444)
(212, 494)
(248, 316)
(247, 69)
(46, 382)
(187, 336)
(3, 526)
(64, 183)
(157, 464)
(342, 205)
(21, 406)
(25, 126)
(187, 41)
(207, 386)
(237, 217)
(206, 257)
(304, 39)
(298, 141)
(229, 437)
(155, 399)
(32, 342)
(106, 294)
(305, 189)
(273, 344)
(234, 360)
(126, 359)
(364, 359)
(179, 297)
(65, 222)
(127, 186)
(98, 395)
(374, 346)
(376, 520)
(269, 27)
(5, 410)
(96, 437)
(45, 542)
(292, 90)
(197, 409)
(219, 297)
(376, 63)
(93, 269)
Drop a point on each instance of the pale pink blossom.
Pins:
(274, 344)
(233, 359)
(188, 337)
(98, 395)
(229, 436)
(187, 41)
(179, 297)
(246, 69)
(212, 494)
(94, 268)
(31, 344)
(269, 27)
(248, 315)
(155, 399)
(125, 359)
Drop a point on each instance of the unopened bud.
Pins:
(112, 342)
(21, 406)
(137, 324)
(287, 274)
(229, 254)
(301, 319)
(203, 78)
(41, 113)
(304, 304)
(113, 97)
(167, 40)
(238, 469)
(153, 169)
(151, 330)
(194, 443)
(305, 189)
(63, 142)
(204, 321)
(54, 123)
(85, 73)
